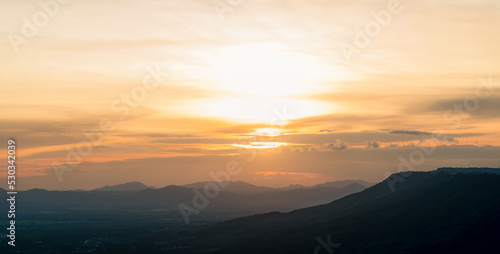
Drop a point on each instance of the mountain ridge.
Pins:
(378, 220)
(129, 186)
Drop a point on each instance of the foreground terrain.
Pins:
(444, 211)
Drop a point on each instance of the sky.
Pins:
(287, 92)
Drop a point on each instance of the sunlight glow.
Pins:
(261, 145)
(272, 111)
(267, 69)
(268, 132)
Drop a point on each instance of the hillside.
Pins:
(431, 212)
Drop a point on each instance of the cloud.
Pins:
(340, 165)
(338, 145)
(46, 114)
(447, 135)
(353, 138)
(415, 133)
(467, 107)
(373, 144)
(326, 130)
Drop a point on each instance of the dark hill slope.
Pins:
(435, 212)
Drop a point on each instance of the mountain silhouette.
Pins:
(429, 212)
(238, 187)
(334, 184)
(133, 196)
(344, 183)
(131, 186)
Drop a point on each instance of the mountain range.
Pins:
(449, 210)
(443, 211)
(131, 186)
(236, 200)
(237, 187)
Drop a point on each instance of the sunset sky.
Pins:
(281, 87)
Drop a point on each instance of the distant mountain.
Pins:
(430, 212)
(168, 197)
(273, 200)
(293, 187)
(225, 205)
(304, 197)
(344, 183)
(334, 184)
(238, 187)
(131, 186)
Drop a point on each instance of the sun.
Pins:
(256, 82)
(261, 145)
(266, 69)
(271, 111)
(268, 132)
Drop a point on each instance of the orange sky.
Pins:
(165, 92)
